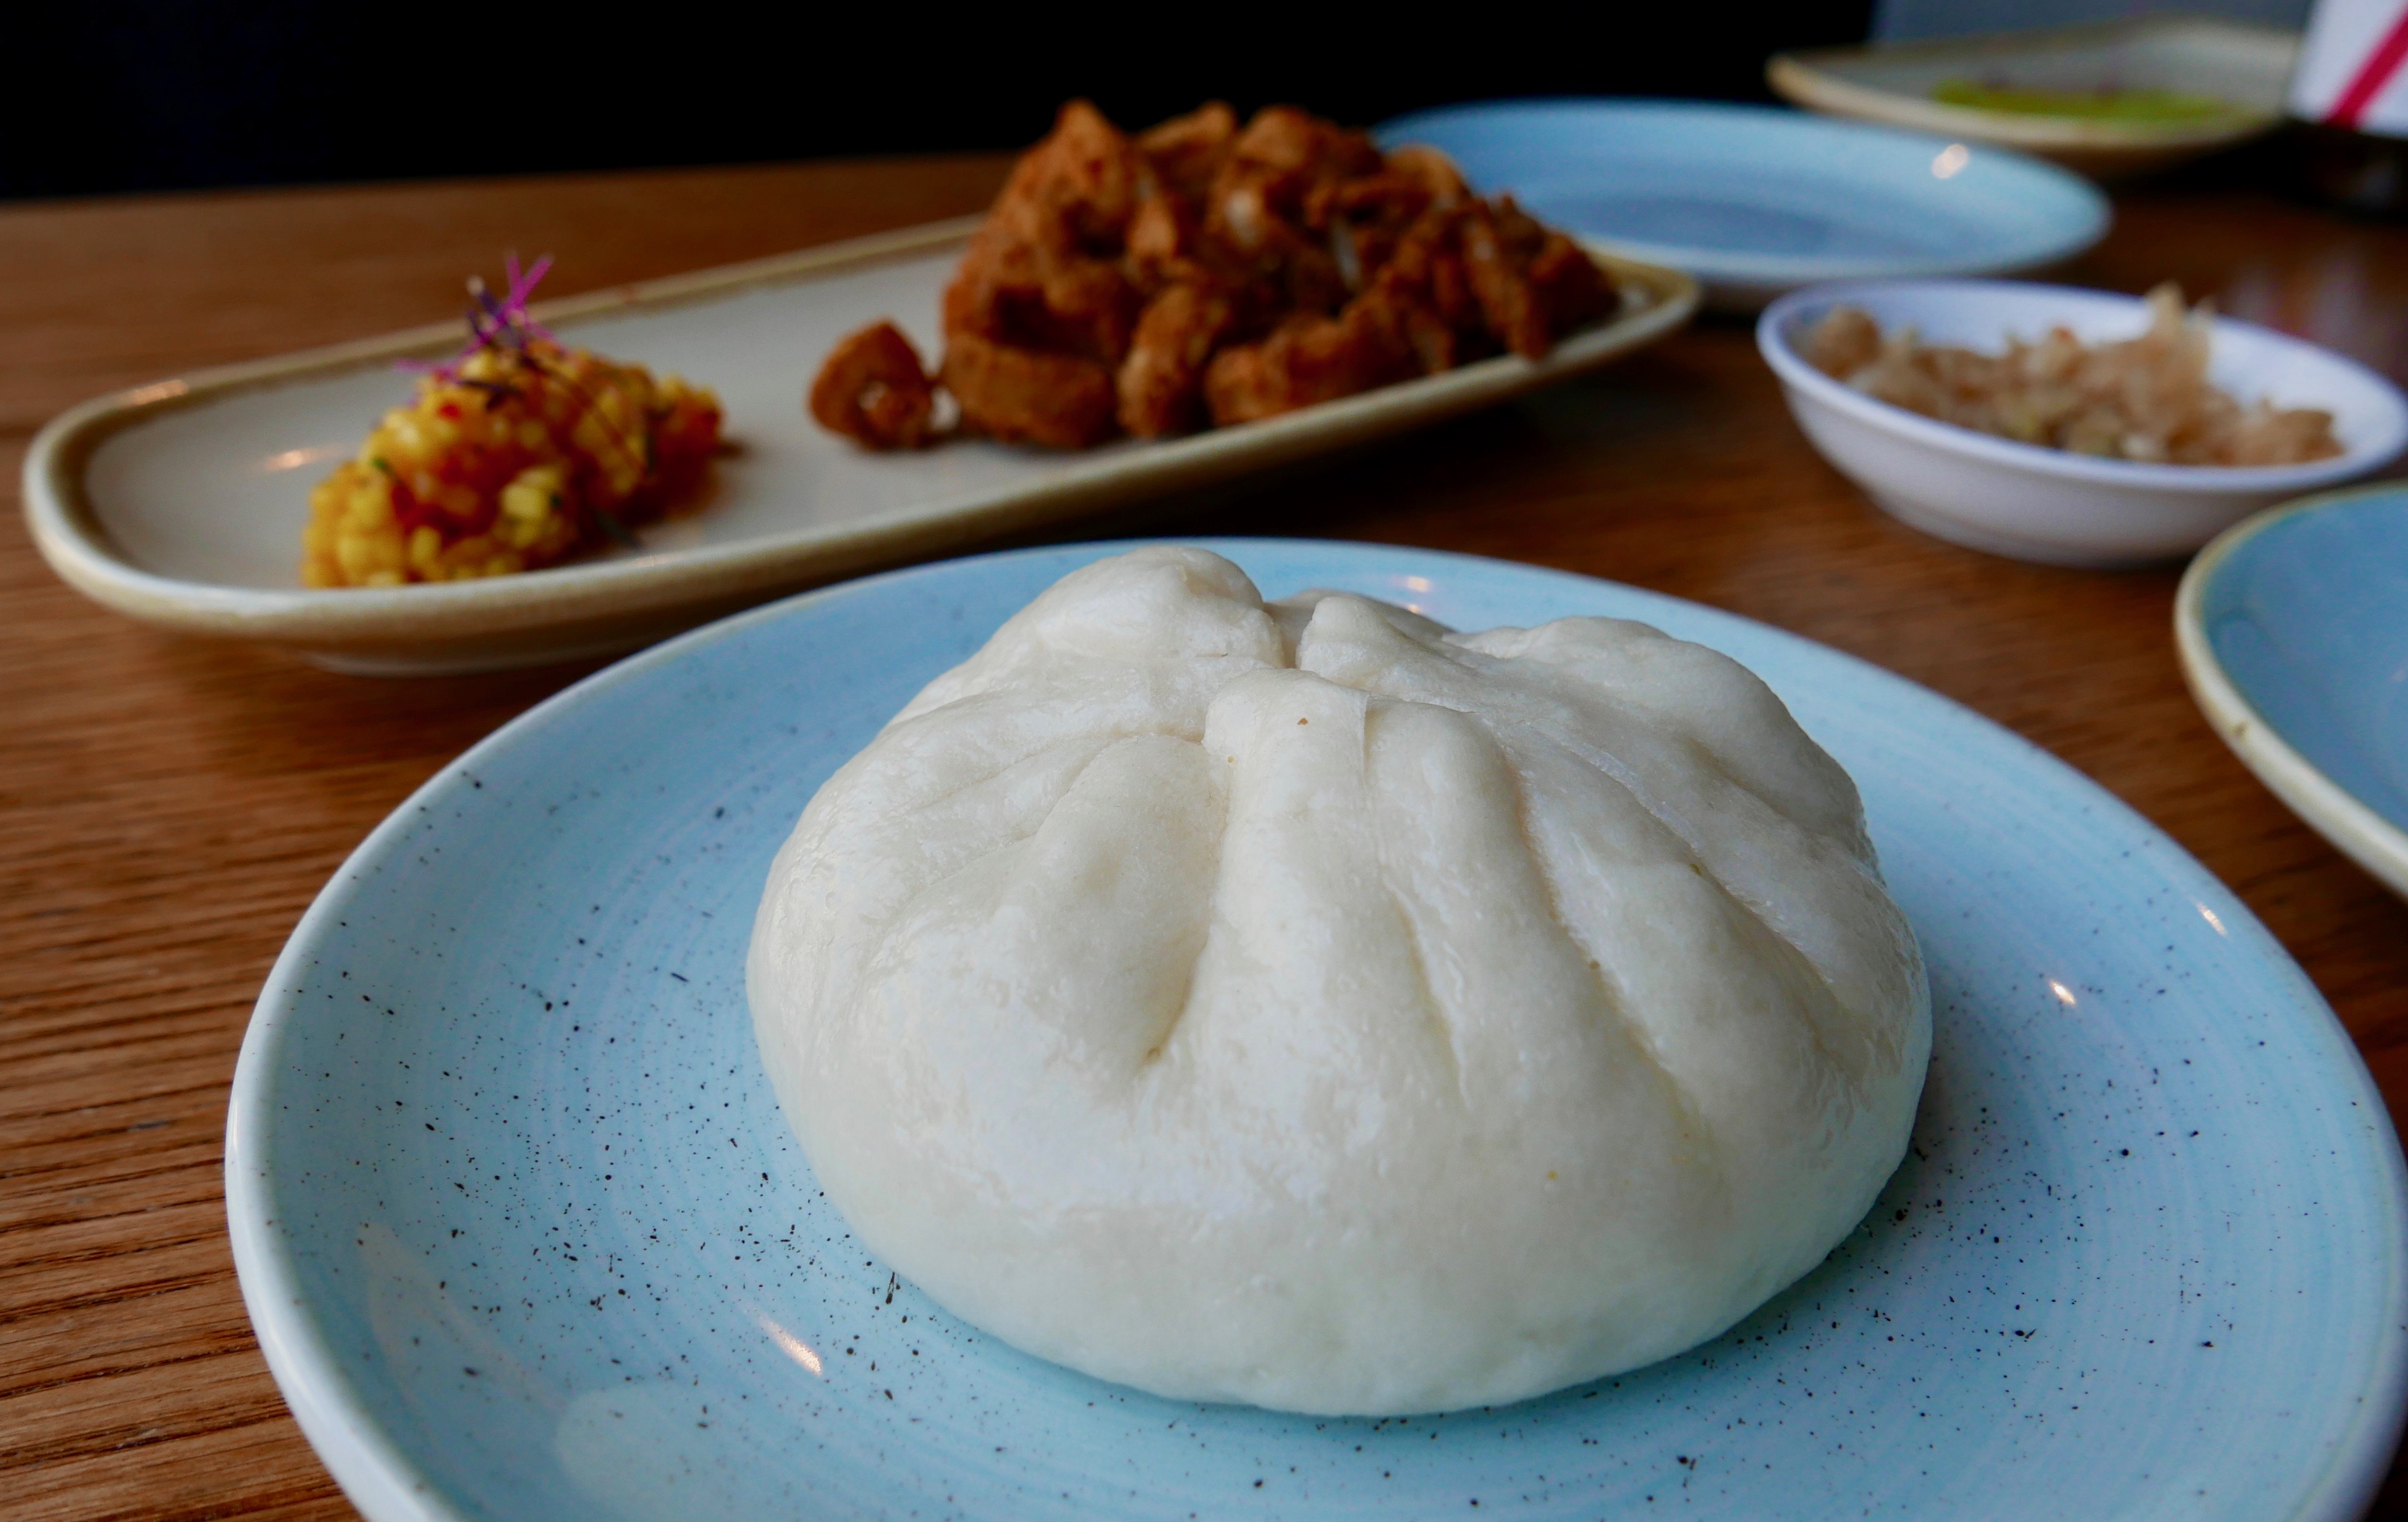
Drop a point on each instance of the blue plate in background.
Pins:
(1754, 200)
(2293, 628)
(525, 1237)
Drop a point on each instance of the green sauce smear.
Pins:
(2090, 104)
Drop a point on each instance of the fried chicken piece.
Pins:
(1465, 280)
(1313, 279)
(1161, 248)
(1074, 192)
(873, 390)
(1140, 282)
(1240, 218)
(1569, 285)
(1090, 310)
(1427, 273)
(1161, 381)
(1306, 360)
(1014, 292)
(1388, 198)
(1183, 153)
(1366, 219)
(1434, 171)
(1245, 241)
(1259, 220)
(1257, 201)
(1283, 138)
(998, 272)
(1509, 306)
(1021, 395)
(1169, 246)
(1406, 309)
(1532, 284)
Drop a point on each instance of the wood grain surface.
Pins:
(169, 807)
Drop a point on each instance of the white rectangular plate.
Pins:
(182, 504)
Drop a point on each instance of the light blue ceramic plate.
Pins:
(2293, 628)
(1754, 200)
(525, 1237)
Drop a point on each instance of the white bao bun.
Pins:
(1303, 1005)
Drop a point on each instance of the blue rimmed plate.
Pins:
(2293, 629)
(524, 1235)
(1755, 201)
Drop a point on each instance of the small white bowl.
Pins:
(2048, 505)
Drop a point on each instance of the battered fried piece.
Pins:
(1016, 293)
(1161, 381)
(1531, 283)
(1073, 193)
(1365, 219)
(1140, 283)
(1020, 395)
(1090, 310)
(1274, 168)
(1405, 310)
(873, 391)
(1308, 360)
(1162, 244)
(1390, 198)
(1183, 153)
(1430, 259)
(1507, 304)
(1434, 171)
(1283, 138)
(1568, 285)
(1313, 279)
(997, 271)
(1423, 294)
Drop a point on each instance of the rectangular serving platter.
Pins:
(182, 504)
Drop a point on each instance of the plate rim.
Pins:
(2346, 824)
(66, 527)
(1734, 267)
(387, 1486)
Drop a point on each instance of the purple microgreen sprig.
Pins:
(494, 321)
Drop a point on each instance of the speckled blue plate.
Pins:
(1756, 200)
(2293, 628)
(525, 1237)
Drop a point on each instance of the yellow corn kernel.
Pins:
(357, 557)
(425, 548)
(533, 493)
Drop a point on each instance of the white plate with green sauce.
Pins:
(2112, 99)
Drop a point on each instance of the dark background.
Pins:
(111, 96)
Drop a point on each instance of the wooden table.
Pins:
(169, 807)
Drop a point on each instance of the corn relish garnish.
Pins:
(517, 454)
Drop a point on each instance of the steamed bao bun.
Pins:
(1303, 1005)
